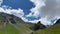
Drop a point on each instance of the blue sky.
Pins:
(25, 5)
(46, 11)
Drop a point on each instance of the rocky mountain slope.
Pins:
(10, 24)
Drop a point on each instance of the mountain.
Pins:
(37, 26)
(10, 24)
(11, 18)
(55, 29)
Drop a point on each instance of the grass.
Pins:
(22, 28)
(55, 29)
(9, 29)
(18, 28)
(14, 29)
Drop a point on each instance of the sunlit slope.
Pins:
(14, 29)
(10, 24)
(9, 29)
(18, 27)
(55, 29)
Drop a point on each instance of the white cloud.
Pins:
(46, 9)
(17, 12)
(36, 11)
(11, 11)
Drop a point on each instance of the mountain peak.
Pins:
(13, 19)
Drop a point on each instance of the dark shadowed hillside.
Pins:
(55, 29)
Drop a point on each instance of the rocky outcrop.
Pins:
(37, 26)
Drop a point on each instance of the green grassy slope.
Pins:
(9, 29)
(14, 29)
(55, 29)
(6, 27)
